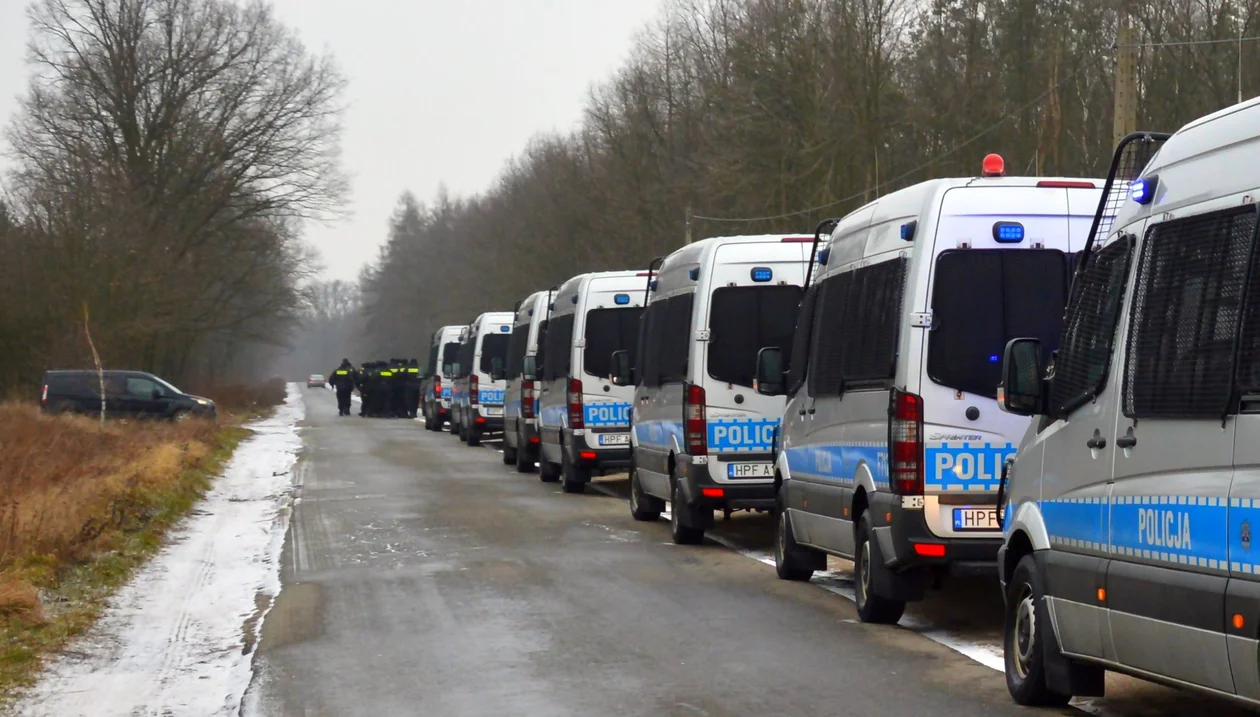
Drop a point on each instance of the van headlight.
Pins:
(204, 402)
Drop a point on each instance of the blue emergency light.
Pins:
(621, 299)
(823, 255)
(762, 273)
(505, 329)
(993, 358)
(1008, 232)
(573, 298)
(652, 285)
(694, 273)
(907, 230)
(1142, 191)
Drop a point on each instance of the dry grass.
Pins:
(82, 505)
(246, 399)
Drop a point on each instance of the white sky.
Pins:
(441, 91)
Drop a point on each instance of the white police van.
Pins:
(892, 443)
(438, 380)
(1129, 507)
(520, 420)
(583, 419)
(702, 436)
(476, 398)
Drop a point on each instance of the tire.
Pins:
(1021, 642)
(548, 472)
(524, 462)
(574, 477)
(509, 455)
(871, 607)
(181, 416)
(451, 425)
(791, 561)
(643, 507)
(682, 534)
(472, 437)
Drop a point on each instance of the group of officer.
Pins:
(389, 389)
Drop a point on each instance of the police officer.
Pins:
(360, 375)
(381, 390)
(343, 383)
(398, 389)
(413, 388)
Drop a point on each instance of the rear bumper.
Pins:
(696, 482)
(905, 538)
(580, 452)
(493, 424)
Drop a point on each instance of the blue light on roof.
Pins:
(505, 329)
(1142, 191)
(694, 273)
(907, 230)
(1008, 232)
(762, 273)
(994, 358)
(823, 255)
(652, 285)
(621, 299)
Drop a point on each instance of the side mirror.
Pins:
(529, 368)
(1021, 391)
(768, 381)
(623, 374)
(496, 369)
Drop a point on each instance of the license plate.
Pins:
(749, 470)
(493, 410)
(614, 439)
(976, 519)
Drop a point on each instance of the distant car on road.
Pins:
(316, 381)
(134, 394)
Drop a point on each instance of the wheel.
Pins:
(548, 472)
(575, 477)
(472, 437)
(509, 455)
(524, 461)
(643, 507)
(791, 561)
(451, 425)
(871, 607)
(180, 416)
(682, 534)
(463, 433)
(1021, 641)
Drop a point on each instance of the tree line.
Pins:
(780, 113)
(164, 156)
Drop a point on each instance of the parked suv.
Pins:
(133, 394)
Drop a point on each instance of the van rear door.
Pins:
(613, 307)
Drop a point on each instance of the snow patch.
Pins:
(179, 637)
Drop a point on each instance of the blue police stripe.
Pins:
(446, 393)
(554, 416)
(607, 414)
(964, 467)
(742, 435)
(839, 462)
(657, 434)
(490, 397)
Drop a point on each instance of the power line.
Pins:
(902, 176)
(1182, 43)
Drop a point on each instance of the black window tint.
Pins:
(1187, 306)
(825, 376)
(466, 356)
(540, 346)
(516, 351)
(742, 321)
(856, 328)
(650, 345)
(559, 344)
(431, 366)
(800, 339)
(983, 298)
(609, 330)
(675, 338)
(1089, 328)
(493, 346)
(450, 354)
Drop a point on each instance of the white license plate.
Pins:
(614, 439)
(749, 470)
(976, 519)
(493, 410)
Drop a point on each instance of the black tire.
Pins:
(451, 425)
(1021, 643)
(791, 561)
(871, 607)
(682, 534)
(547, 472)
(643, 507)
(509, 455)
(524, 461)
(574, 478)
(472, 437)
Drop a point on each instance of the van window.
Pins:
(516, 351)
(450, 353)
(742, 321)
(675, 337)
(493, 346)
(431, 367)
(140, 387)
(609, 330)
(1187, 305)
(983, 298)
(466, 355)
(800, 340)
(856, 328)
(648, 359)
(1089, 328)
(559, 355)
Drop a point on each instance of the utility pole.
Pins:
(1125, 120)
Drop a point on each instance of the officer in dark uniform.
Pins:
(413, 388)
(382, 389)
(342, 380)
(398, 389)
(360, 375)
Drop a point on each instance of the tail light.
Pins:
(695, 423)
(574, 402)
(437, 386)
(472, 390)
(527, 399)
(43, 398)
(905, 442)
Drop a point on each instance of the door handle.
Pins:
(1097, 442)
(1126, 441)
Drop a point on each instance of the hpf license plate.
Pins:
(614, 439)
(976, 519)
(749, 470)
(493, 410)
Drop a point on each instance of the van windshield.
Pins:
(745, 319)
(170, 388)
(983, 298)
(493, 346)
(608, 331)
(450, 354)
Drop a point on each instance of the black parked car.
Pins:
(133, 394)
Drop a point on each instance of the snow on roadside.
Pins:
(178, 639)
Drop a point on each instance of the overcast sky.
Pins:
(441, 91)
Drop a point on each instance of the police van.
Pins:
(476, 398)
(702, 436)
(435, 392)
(1129, 506)
(583, 419)
(520, 408)
(892, 443)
